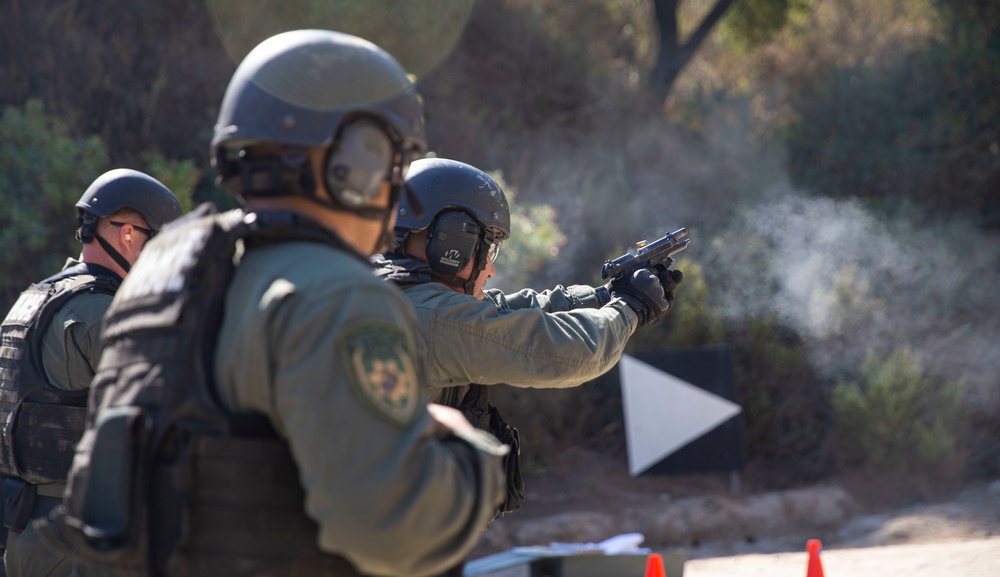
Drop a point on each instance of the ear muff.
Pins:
(452, 242)
(86, 227)
(357, 163)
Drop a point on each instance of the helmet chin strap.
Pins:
(114, 254)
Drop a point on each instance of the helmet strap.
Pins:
(482, 254)
(114, 254)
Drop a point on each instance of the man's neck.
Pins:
(351, 228)
(92, 253)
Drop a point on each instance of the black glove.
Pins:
(643, 293)
(669, 279)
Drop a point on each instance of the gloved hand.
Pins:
(643, 293)
(669, 279)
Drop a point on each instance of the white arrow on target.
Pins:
(664, 413)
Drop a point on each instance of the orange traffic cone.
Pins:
(654, 566)
(815, 565)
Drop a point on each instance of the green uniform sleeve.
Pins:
(326, 349)
(465, 340)
(557, 299)
(72, 345)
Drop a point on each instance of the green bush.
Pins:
(535, 239)
(896, 419)
(922, 124)
(43, 171)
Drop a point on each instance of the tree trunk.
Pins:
(672, 55)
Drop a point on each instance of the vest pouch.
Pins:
(248, 517)
(116, 459)
(103, 523)
(44, 438)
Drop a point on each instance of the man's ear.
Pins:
(125, 233)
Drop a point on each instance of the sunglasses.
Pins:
(494, 250)
(151, 233)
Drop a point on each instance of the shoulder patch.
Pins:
(381, 369)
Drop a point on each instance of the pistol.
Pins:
(657, 254)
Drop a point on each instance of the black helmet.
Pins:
(440, 184)
(296, 88)
(465, 213)
(126, 188)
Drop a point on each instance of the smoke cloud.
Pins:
(844, 277)
(849, 280)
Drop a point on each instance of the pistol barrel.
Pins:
(660, 249)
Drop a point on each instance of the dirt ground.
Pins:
(724, 529)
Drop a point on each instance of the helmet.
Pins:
(297, 88)
(464, 211)
(440, 184)
(126, 188)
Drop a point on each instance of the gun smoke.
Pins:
(845, 278)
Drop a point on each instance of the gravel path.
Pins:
(764, 534)
(975, 558)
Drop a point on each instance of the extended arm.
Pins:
(560, 298)
(466, 340)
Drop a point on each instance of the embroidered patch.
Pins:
(381, 369)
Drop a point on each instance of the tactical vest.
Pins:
(166, 481)
(411, 273)
(41, 424)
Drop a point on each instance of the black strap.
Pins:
(114, 254)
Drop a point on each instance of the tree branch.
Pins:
(673, 56)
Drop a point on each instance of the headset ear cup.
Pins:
(451, 242)
(357, 163)
(86, 227)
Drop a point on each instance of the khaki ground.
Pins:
(586, 500)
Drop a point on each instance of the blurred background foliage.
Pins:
(896, 418)
(836, 161)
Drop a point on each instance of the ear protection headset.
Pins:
(86, 226)
(358, 162)
(452, 242)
